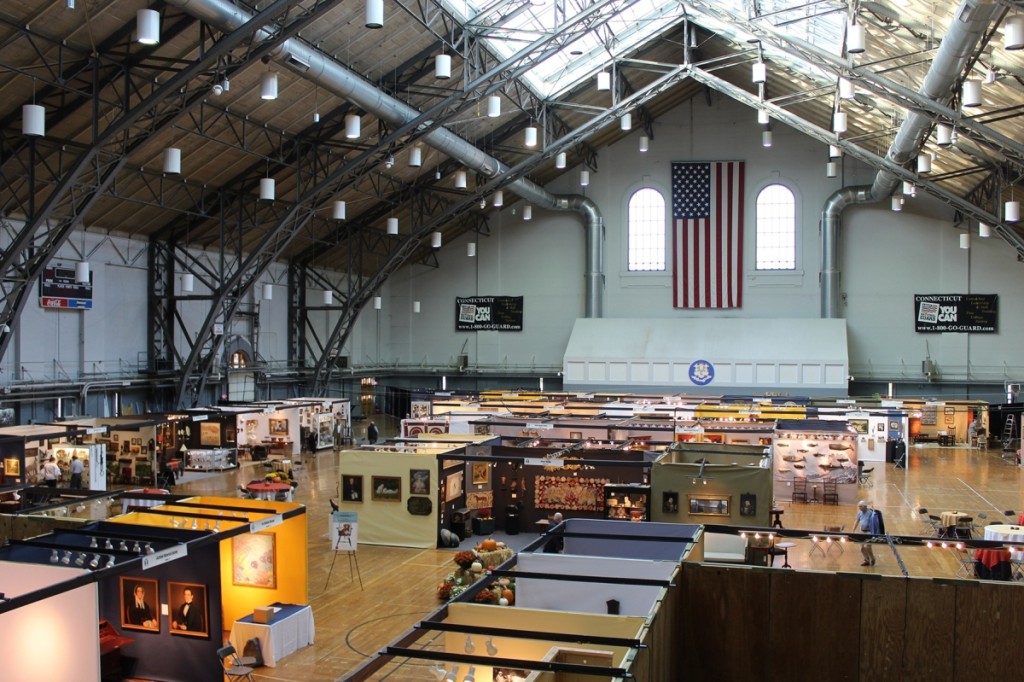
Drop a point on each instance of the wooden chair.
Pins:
(831, 493)
(800, 489)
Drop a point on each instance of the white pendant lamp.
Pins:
(435, 240)
(471, 249)
(188, 282)
(584, 178)
(846, 90)
(392, 225)
(1011, 211)
(493, 106)
(839, 122)
(268, 85)
(33, 120)
(460, 179)
(1013, 33)
(766, 138)
(855, 38)
(528, 212)
(328, 297)
(530, 136)
(268, 292)
(82, 272)
(377, 302)
(352, 126)
(416, 157)
(267, 189)
(416, 307)
(443, 66)
(835, 151)
(759, 72)
(499, 199)
(924, 162)
(172, 161)
(971, 93)
(984, 230)
(339, 210)
(645, 143)
(965, 241)
(943, 135)
(763, 117)
(604, 81)
(831, 169)
(626, 122)
(374, 13)
(560, 160)
(897, 202)
(909, 189)
(147, 26)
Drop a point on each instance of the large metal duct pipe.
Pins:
(335, 78)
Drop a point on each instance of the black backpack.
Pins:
(253, 649)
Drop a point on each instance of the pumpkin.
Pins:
(509, 595)
(489, 545)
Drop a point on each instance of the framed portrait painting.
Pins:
(670, 502)
(140, 604)
(386, 488)
(12, 467)
(187, 605)
(419, 481)
(481, 473)
(253, 560)
(352, 488)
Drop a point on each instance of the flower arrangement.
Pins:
(500, 593)
(465, 559)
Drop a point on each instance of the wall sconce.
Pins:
(147, 26)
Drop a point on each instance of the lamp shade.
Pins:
(530, 136)
(626, 122)
(172, 160)
(1011, 211)
(763, 117)
(584, 178)
(374, 13)
(188, 282)
(924, 162)
(846, 90)
(897, 202)
(267, 189)
(471, 249)
(82, 272)
(759, 72)
(839, 122)
(416, 157)
(971, 93)
(965, 240)
(268, 292)
(443, 66)
(493, 106)
(645, 143)
(831, 169)
(499, 199)
(1013, 33)
(268, 85)
(528, 212)
(766, 138)
(604, 80)
(377, 302)
(435, 240)
(943, 135)
(460, 179)
(855, 38)
(338, 212)
(328, 297)
(560, 160)
(984, 230)
(416, 307)
(352, 126)
(392, 225)
(33, 120)
(147, 26)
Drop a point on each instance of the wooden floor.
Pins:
(352, 624)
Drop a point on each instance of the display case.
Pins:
(211, 460)
(627, 502)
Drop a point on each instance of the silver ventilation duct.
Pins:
(969, 24)
(332, 76)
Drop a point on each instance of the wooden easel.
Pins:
(343, 543)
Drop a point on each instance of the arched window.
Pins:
(776, 228)
(646, 230)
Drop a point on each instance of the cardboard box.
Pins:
(263, 614)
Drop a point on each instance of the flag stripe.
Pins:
(707, 239)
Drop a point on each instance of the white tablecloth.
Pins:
(1004, 533)
(281, 637)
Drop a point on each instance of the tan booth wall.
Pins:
(722, 479)
(386, 522)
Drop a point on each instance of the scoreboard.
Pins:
(58, 289)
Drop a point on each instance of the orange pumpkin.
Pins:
(510, 595)
(489, 545)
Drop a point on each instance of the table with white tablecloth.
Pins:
(1004, 533)
(290, 629)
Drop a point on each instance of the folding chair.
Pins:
(865, 477)
(965, 562)
(233, 668)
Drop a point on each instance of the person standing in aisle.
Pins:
(51, 472)
(866, 522)
(371, 433)
(77, 469)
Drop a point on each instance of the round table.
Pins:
(269, 491)
(784, 546)
(1005, 533)
(951, 518)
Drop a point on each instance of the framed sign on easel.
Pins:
(344, 536)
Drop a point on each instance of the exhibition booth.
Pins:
(25, 448)
(816, 461)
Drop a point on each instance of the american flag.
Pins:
(707, 234)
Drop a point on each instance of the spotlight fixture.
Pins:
(469, 647)
(94, 562)
(470, 675)
(984, 230)
(483, 202)
(855, 38)
(374, 13)
(452, 676)
(93, 543)
(54, 556)
(70, 4)
(352, 126)
(644, 143)
(217, 89)
(149, 548)
(442, 66)
(268, 85)
(389, 161)
(172, 161)
(560, 160)
(493, 106)
(492, 649)
(110, 561)
(80, 559)
(147, 26)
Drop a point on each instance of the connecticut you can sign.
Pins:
(963, 313)
(497, 313)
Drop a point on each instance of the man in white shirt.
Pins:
(51, 472)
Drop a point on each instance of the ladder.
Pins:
(1009, 426)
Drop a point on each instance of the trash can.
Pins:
(512, 519)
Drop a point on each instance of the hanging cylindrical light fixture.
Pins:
(909, 189)
(834, 151)
(499, 199)
(377, 302)
(1011, 211)
(530, 136)
(984, 230)
(416, 157)
(839, 122)
(392, 225)
(626, 121)
(443, 66)
(374, 13)
(528, 212)
(339, 210)
(965, 241)
(943, 135)
(435, 240)
(831, 169)
(645, 143)
(759, 72)
(328, 297)
(584, 178)
(766, 138)
(268, 292)
(924, 162)
(971, 96)
(267, 189)
(147, 26)
(33, 120)
(493, 106)
(897, 202)
(855, 38)
(560, 160)
(268, 85)
(604, 80)
(172, 160)
(471, 249)
(188, 282)
(460, 179)
(352, 126)
(846, 90)
(1013, 33)
(416, 307)
(763, 117)
(82, 272)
